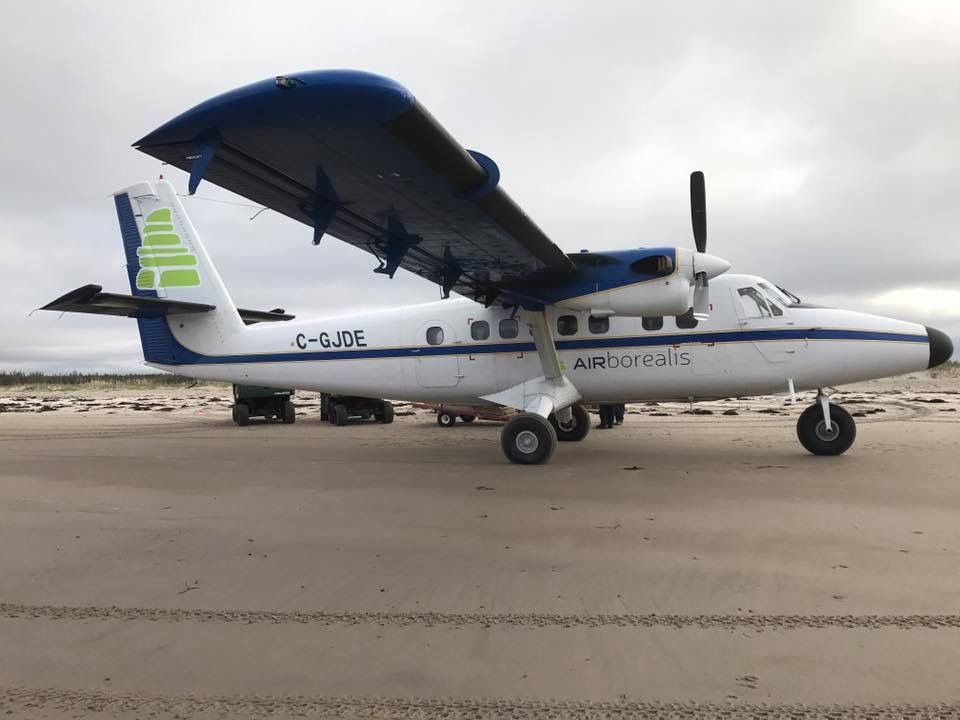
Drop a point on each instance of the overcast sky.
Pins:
(828, 132)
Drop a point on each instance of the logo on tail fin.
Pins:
(165, 262)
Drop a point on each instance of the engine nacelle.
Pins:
(662, 296)
(651, 282)
(645, 281)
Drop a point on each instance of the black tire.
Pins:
(578, 428)
(241, 414)
(289, 414)
(386, 413)
(445, 419)
(528, 439)
(338, 415)
(813, 435)
(468, 418)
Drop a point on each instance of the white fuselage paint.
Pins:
(681, 368)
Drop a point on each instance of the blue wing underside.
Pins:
(355, 156)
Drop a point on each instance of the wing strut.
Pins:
(549, 393)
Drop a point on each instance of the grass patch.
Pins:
(74, 380)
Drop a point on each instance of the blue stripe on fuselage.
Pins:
(191, 358)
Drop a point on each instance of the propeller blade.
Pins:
(698, 210)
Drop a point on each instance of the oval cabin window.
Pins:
(653, 323)
(567, 324)
(598, 325)
(434, 335)
(480, 330)
(509, 328)
(687, 320)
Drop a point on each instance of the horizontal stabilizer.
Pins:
(250, 317)
(90, 299)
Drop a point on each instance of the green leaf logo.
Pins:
(164, 260)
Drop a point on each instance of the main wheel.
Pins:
(528, 439)
(386, 413)
(241, 414)
(289, 413)
(814, 436)
(446, 419)
(468, 418)
(574, 430)
(338, 415)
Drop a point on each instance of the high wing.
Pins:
(356, 156)
(89, 299)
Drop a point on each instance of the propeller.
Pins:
(698, 217)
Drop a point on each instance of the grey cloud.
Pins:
(826, 129)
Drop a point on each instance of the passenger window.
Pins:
(434, 335)
(567, 324)
(598, 325)
(509, 328)
(480, 330)
(754, 304)
(652, 323)
(687, 320)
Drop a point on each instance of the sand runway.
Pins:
(164, 563)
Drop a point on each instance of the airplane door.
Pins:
(756, 311)
(437, 364)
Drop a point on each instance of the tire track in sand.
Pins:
(18, 699)
(756, 622)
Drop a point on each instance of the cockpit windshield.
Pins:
(775, 292)
(781, 294)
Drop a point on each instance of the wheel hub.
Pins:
(527, 442)
(827, 435)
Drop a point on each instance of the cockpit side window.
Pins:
(754, 304)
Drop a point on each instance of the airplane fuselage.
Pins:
(458, 351)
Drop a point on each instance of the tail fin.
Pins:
(166, 259)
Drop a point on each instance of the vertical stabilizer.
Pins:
(166, 259)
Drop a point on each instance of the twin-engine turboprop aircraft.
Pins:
(355, 156)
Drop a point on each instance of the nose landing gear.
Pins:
(825, 428)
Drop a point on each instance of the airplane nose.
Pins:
(941, 347)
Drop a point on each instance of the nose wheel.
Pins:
(823, 438)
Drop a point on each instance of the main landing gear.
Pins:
(549, 401)
(825, 428)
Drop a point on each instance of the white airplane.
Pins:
(538, 330)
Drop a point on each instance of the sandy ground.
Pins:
(157, 561)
